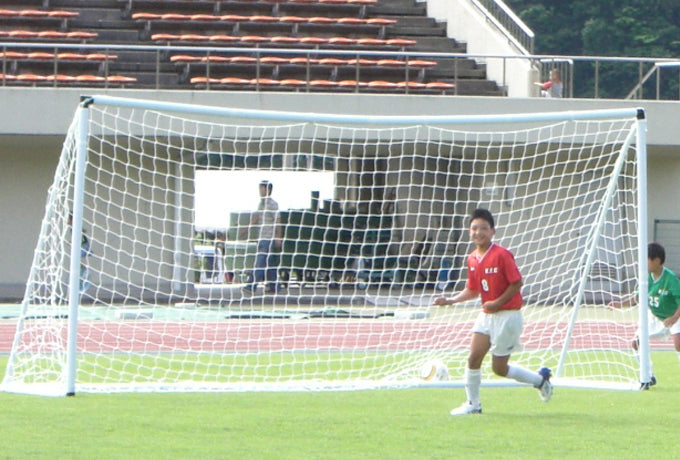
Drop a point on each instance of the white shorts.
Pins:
(503, 328)
(657, 330)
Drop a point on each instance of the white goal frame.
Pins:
(69, 385)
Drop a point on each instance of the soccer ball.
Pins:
(434, 371)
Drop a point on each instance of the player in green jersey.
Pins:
(664, 300)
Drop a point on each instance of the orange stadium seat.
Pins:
(120, 79)
(362, 61)
(440, 85)
(234, 81)
(183, 58)
(379, 84)
(352, 84)
(381, 21)
(266, 19)
(62, 14)
(22, 34)
(204, 17)
(30, 78)
(370, 42)
(164, 37)
(175, 17)
(275, 60)
(323, 83)
(314, 40)
(59, 78)
(101, 57)
(13, 55)
(253, 39)
(264, 82)
(303, 61)
(400, 42)
(284, 40)
(321, 20)
(40, 55)
(216, 59)
(419, 63)
(193, 38)
(293, 19)
(33, 13)
(71, 56)
(243, 60)
(8, 13)
(342, 41)
(293, 83)
(390, 63)
(81, 35)
(234, 18)
(223, 38)
(411, 85)
(204, 80)
(145, 16)
(90, 79)
(332, 61)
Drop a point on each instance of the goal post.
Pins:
(150, 272)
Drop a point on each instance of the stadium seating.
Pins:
(318, 26)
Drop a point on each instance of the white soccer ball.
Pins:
(434, 371)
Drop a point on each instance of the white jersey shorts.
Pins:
(504, 329)
(657, 330)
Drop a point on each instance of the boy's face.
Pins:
(654, 265)
(481, 232)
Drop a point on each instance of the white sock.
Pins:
(473, 380)
(523, 375)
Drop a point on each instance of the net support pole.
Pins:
(76, 241)
(594, 241)
(643, 283)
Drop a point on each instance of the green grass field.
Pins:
(397, 424)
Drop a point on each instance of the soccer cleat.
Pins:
(467, 408)
(647, 385)
(545, 389)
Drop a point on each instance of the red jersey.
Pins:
(492, 274)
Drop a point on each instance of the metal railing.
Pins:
(514, 27)
(589, 76)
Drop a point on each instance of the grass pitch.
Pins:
(396, 424)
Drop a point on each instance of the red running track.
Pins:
(257, 335)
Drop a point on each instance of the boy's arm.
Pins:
(626, 301)
(462, 296)
(493, 306)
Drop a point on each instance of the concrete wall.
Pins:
(34, 121)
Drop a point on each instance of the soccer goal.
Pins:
(152, 271)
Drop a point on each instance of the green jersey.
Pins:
(664, 294)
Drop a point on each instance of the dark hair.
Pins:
(268, 185)
(483, 214)
(656, 251)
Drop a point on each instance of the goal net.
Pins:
(195, 248)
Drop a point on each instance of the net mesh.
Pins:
(373, 226)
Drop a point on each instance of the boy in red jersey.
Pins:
(493, 275)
